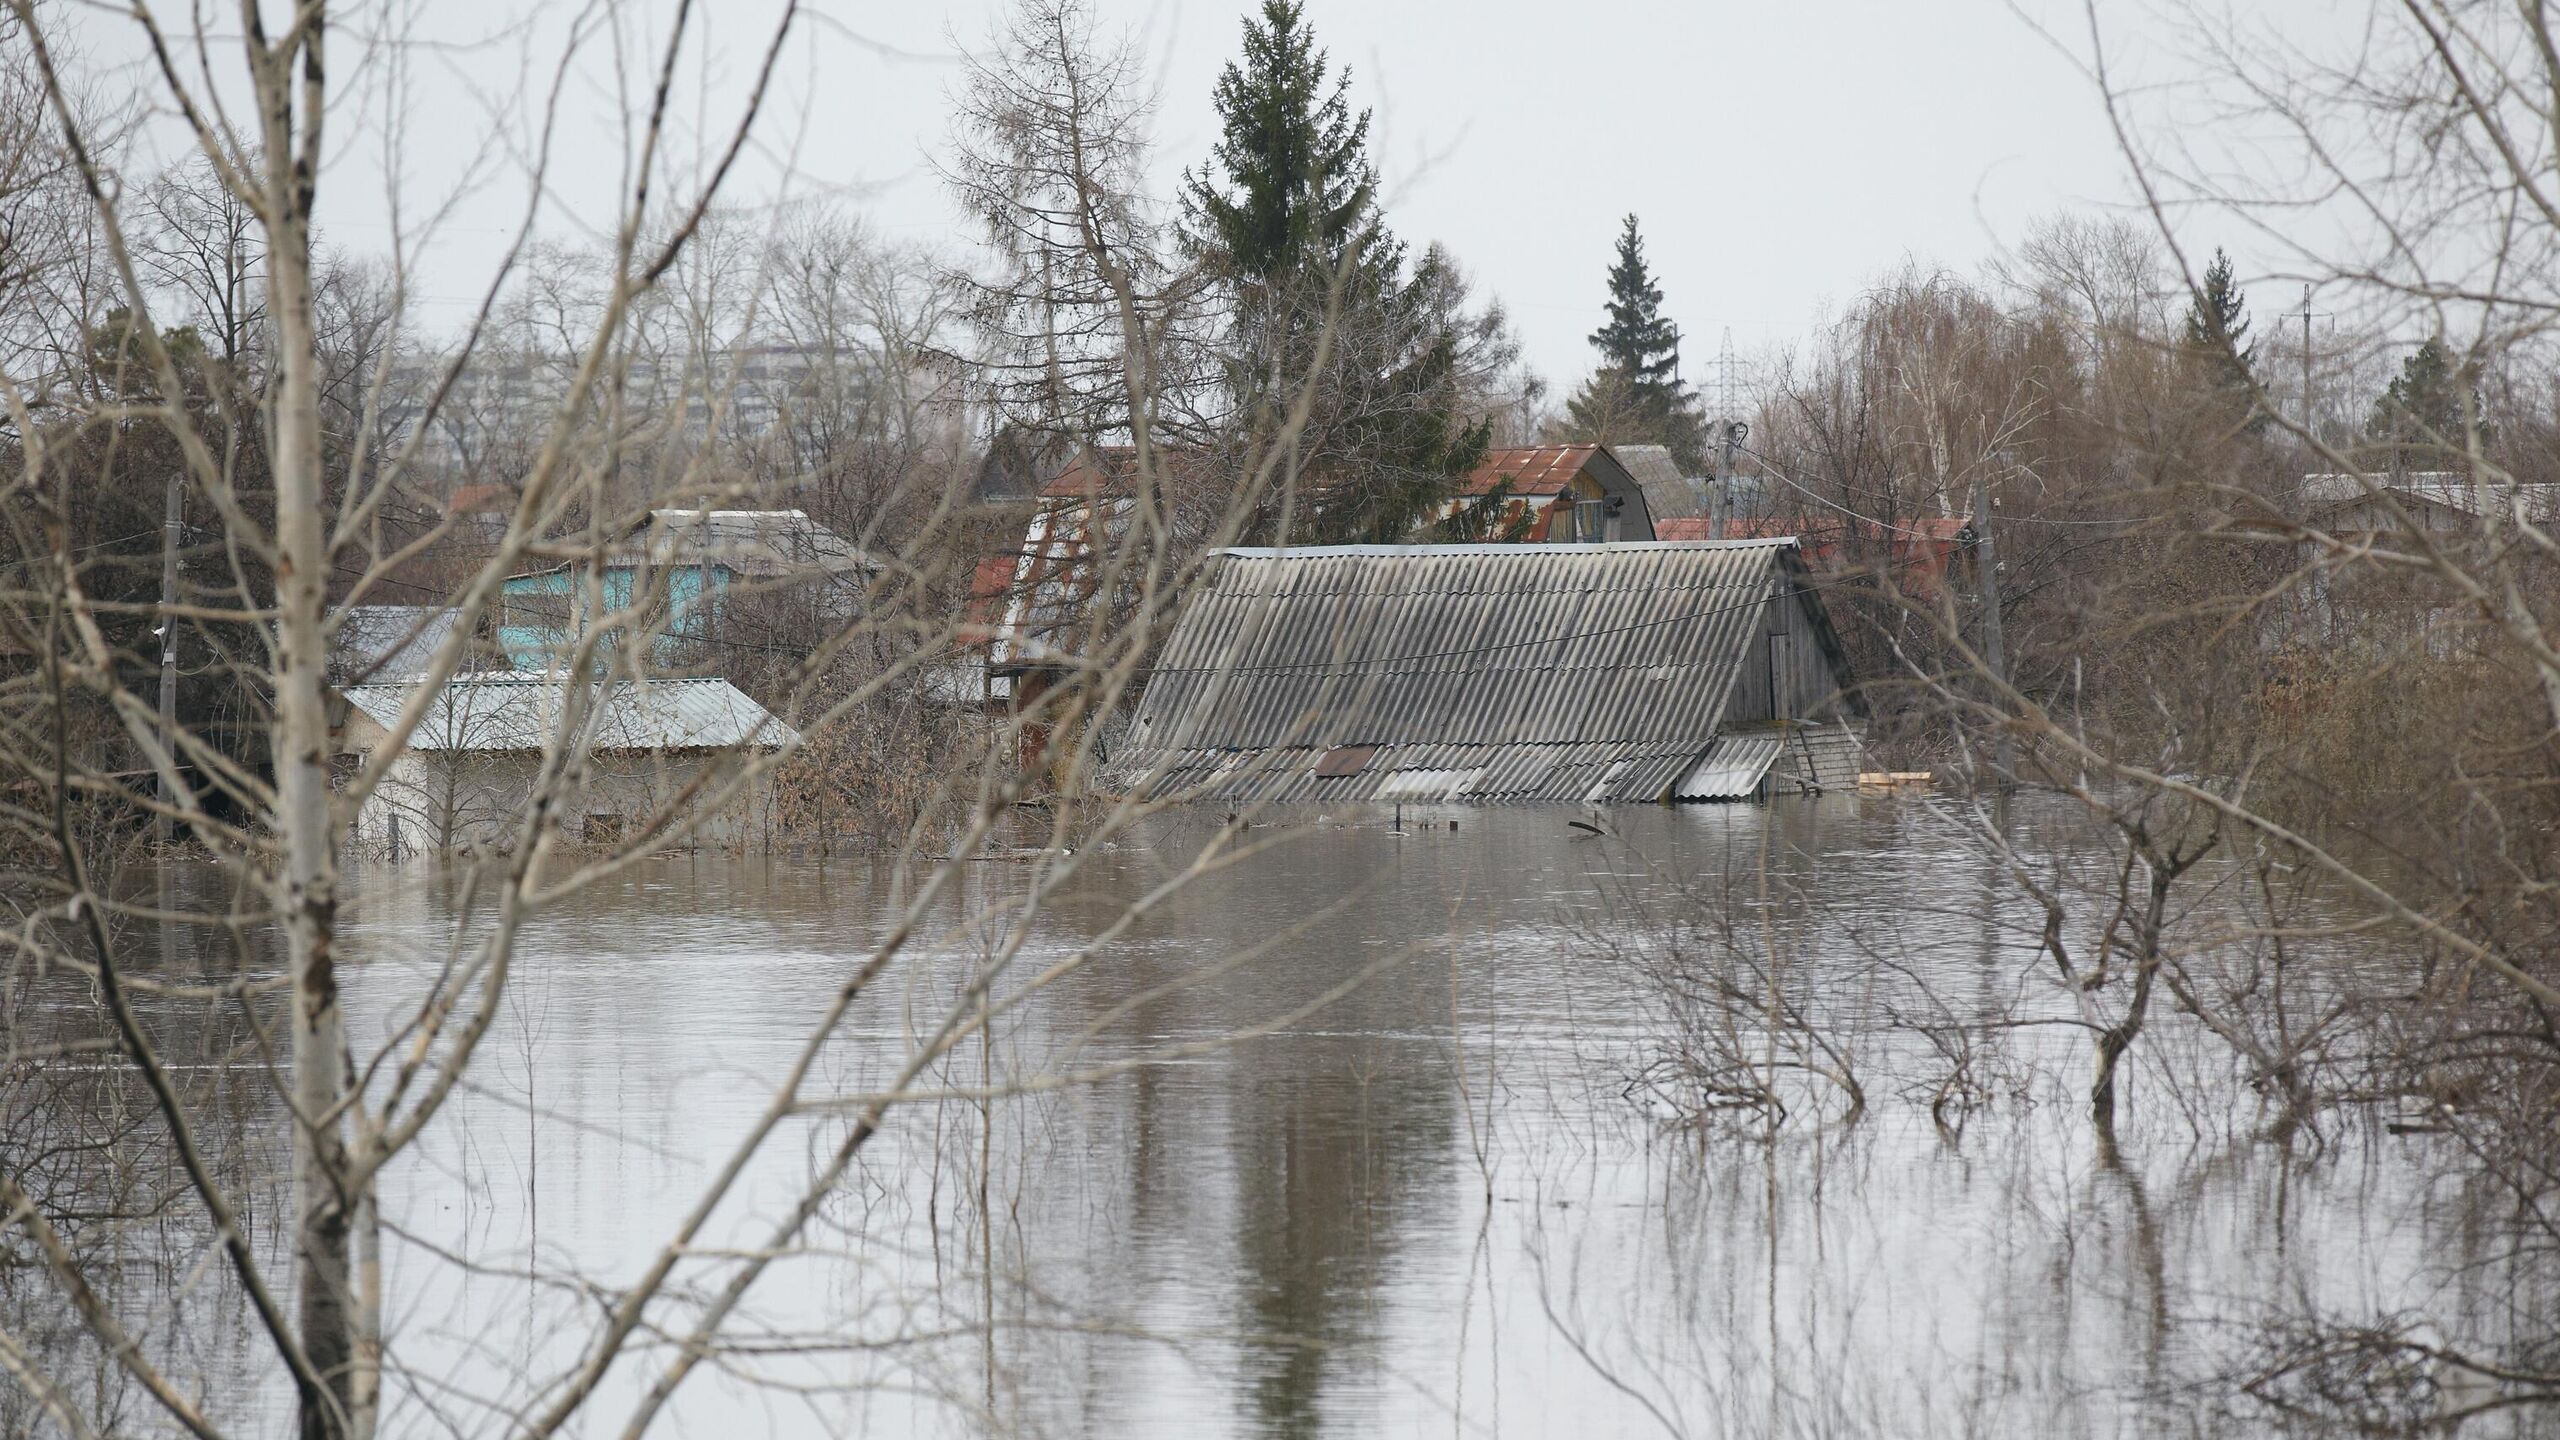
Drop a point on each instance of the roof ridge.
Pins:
(1606, 547)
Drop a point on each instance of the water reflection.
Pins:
(1291, 1235)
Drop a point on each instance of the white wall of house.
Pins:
(434, 801)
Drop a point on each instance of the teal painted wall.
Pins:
(533, 641)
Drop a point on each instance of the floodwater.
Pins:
(1349, 1139)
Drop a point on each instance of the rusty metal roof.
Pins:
(1553, 672)
(1532, 469)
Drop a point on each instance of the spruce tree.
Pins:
(1636, 396)
(1292, 184)
(2218, 322)
(2217, 344)
(2423, 408)
(1637, 342)
(1285, 212)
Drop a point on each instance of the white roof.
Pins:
(513, 713)
(2451, 489)
(1732, 768)
(750, 542)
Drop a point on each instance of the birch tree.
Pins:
(301, 530)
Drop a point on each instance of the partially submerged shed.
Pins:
(1620, 673)
(468, 772)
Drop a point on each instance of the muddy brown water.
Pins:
(1431, 1204)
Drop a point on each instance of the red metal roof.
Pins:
(990, 585)
(1532, 469)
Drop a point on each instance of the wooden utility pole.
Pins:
(1986, 576)
(172, 528)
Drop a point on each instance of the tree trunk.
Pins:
(2116, 1039)
(322, 1213)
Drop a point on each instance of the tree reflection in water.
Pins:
(1289, 1235)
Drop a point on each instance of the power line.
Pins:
(1781, 477)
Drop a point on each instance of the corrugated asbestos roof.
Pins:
(487, 713)
(1667, 493)
(1482, 672)
(1732, 769)
(2447, 489)
(390, 642)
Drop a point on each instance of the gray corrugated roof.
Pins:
(1553, 672)
(487, 713)
(376, 642)
(1458, 644)
(1669, 494)
(1603, 772)
(1732, 769)
(2451, 489)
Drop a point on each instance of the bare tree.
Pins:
(302, 516)
(2294, 644)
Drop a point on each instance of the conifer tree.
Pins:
(1324, 302)
(1636, 396)
(2217, 329)
(2218, 319)
(2423, 409)
(1293, 184)
(1637, 341)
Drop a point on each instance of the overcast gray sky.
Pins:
(1781, 153)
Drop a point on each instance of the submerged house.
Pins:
(1033, 609)
(470, 767)
(2349, 600)
(1623, 673)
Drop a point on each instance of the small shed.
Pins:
(470, 766)
(1610, 673)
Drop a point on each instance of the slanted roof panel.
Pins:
(1531, 469)
(391, 642)
(1732, 770)
(479, 713)
(1459, 645)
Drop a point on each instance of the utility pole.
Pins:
(1986, 575)
(1729, 433)
(2306, 315)
(2306, 359)
(172, 524)
(1719, 503)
